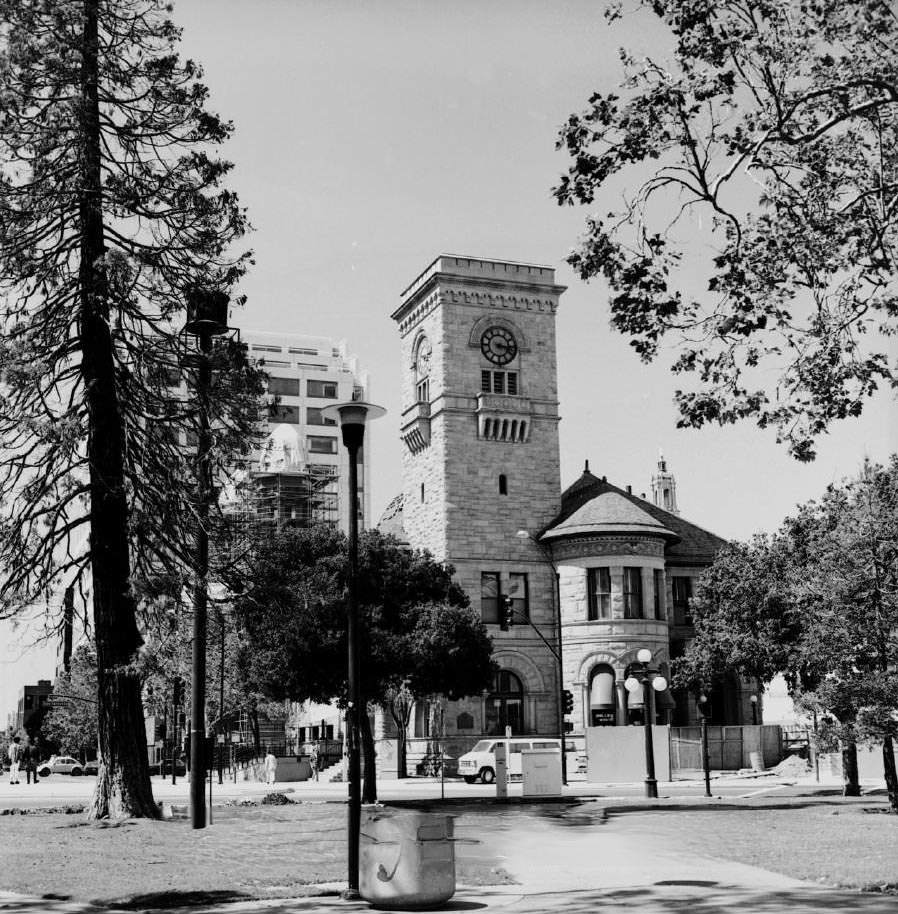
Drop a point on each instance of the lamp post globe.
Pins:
(650, 681)
(352, 417)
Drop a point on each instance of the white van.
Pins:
(480, 762)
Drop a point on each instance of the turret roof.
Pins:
(592, 505)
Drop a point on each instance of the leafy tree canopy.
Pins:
(418, 635)
(72, 722)
(818, 603)
(771, 136)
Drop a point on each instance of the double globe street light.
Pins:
(650, 681)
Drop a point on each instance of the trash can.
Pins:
(406, 859)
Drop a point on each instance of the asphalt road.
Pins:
(61, 790)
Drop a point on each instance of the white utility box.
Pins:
(541, 772)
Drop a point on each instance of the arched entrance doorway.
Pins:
(505, 705)
(602, 697)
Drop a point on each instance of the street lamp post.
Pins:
(754, 710)
(207, 317)
(557, 652)
(352, 417)
(703, 709)
(651, 681)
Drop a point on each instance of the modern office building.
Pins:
(33, 699)
(299, 473)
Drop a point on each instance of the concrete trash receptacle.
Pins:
(406, 859)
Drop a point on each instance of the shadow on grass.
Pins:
(172, 900)
(852, 804)
(697, 897)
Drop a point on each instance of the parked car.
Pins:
(91, 767)
(60, 764)
(480, 762)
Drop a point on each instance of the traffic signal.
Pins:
(567, 701)
(506, 613)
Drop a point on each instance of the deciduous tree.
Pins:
(759, 170)
(818, 603)
(72, 721)
(418, 635)
(112, 211)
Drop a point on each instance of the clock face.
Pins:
(498, 345)
(423, 364)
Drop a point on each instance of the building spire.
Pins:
(664, 487)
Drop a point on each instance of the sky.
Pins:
(371, 137)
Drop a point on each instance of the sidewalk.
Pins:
(59, 790)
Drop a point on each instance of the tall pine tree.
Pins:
(112, 211)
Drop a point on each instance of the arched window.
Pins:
(503, 484)
(505, 705)
(423, 355)
(602, 697)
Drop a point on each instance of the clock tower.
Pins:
(481, 465)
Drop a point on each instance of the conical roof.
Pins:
(586, 510)
(608, 512)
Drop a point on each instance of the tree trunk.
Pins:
(369, 783)
(888, 763)
(402, 754)
(123, 786)
(851, 786)
(254, 727)
(400, 717)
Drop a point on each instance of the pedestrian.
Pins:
(271, 767)
(31, 756)
(313, 760)
(15, 757)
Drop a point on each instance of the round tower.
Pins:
(664, 487)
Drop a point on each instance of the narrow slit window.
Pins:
(503, 484)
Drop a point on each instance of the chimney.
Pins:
(629, 490)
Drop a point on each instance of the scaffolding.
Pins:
(299, 498)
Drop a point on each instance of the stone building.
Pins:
(482, 491)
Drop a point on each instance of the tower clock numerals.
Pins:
(425, 351)
(498, 345)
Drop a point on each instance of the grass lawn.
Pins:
(850, 844)
(249, 852)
